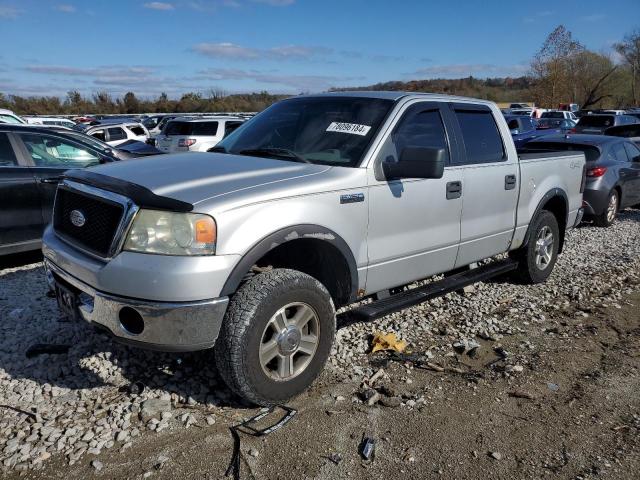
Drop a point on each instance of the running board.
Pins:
(412, 297)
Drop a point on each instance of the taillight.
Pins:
(186, 142)
(573, 130)
(596, 172)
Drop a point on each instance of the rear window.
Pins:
(231, 127)
(116, 134)
(552, 115)
(137, 129)
(591, 152)
(482, 140)
(192, 128)
(596, 121)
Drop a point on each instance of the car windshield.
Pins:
(596, 121)
(323, 130)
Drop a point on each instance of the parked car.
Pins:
(32, 162)
(7, 116)
(116, 133)
(523, 129)
(598, 123)
(522, 112)
(520, 106)
(613, 112)
(51, 121)
(125, 151)
(556, 125)
(318, 202)
(633, 113)
(613, 171)
(196, 134)
(559, 114)
(569, 107)
(154, 123)
(631, 132)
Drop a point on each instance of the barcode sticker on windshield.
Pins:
(352, 128)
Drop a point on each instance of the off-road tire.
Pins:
(249, 311)
(528, 271)
(603, 220)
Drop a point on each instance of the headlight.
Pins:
(168, 233)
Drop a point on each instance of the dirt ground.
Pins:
(572, 412)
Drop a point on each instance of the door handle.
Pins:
(509, 182)
(50, 179)
(454, 190)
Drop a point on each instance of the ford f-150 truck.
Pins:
(316, 203)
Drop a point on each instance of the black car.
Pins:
(632, 132)
(32, 161)
(613, 171)
(598, 123)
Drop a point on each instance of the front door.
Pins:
(414, 224)
(490, 184)
(20, 215)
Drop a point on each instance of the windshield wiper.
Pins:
(274, 152)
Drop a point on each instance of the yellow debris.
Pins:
(387, 341)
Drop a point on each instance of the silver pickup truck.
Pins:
(317, 203)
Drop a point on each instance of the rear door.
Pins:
(20, 216)
(490, 188)
(49, 157)
(632, 174)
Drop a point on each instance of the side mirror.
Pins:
(416, 162)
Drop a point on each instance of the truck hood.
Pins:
(198, 177)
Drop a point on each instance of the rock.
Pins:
(391, 402)
(154, 408)
(495, 455)
(373, 399)
(211, 419)
(97, 464)
(517, 368)
(254, 453)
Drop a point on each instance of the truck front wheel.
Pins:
(538, 257)
(276, 336)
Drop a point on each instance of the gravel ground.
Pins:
(83, 403)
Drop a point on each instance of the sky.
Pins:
(49, 47)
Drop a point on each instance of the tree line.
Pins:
(562, 71)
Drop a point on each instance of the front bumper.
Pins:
(167, 326)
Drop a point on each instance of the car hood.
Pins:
(199, 177)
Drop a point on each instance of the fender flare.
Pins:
(555, 192)
(288, 234)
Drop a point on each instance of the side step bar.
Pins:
(412, 297)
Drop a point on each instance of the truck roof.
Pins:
(393, 95)
(578, 139)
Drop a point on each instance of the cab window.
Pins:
(49, 151)
(7, 156)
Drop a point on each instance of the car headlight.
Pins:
(169, 233)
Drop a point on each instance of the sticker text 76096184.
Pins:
(352, 128)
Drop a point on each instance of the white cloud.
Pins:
(66, 8)
(296, 82)
(9, 12)
(276, 3)
(465, 70)
(159, 6)
(228, 50)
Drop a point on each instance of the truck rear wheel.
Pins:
(276, 336)
(538, 257)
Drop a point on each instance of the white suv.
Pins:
(118, 133)
(7, 116)
(196, 134)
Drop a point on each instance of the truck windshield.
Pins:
(323, 130)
